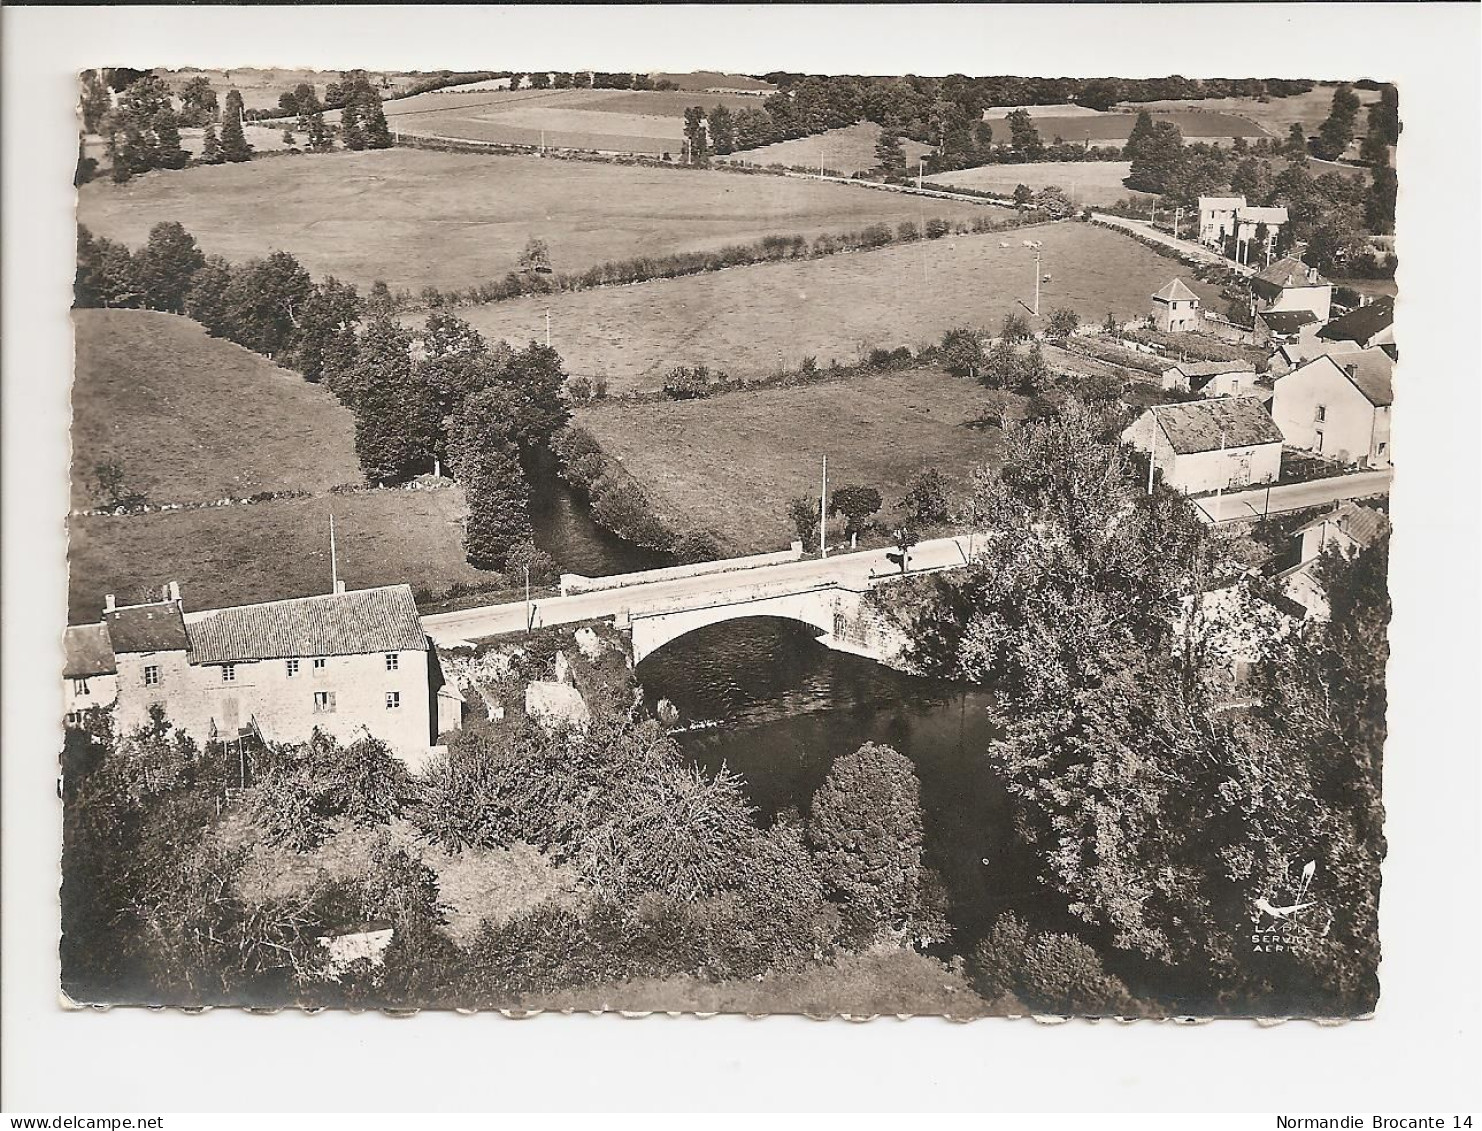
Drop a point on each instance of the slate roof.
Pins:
(1371, 372)
(1287, 272)
(1175, 290)
(1362, 324)
(1362, 524)
(1220, 203)
(1212, 368)
(87, 651)
(338, 624)
(146, 628)
(1206, 426)
(1287, 321)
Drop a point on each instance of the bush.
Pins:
(866, 831)
(697, 546)
(363, 781)
(1049, 973)
(523, 556)
(927, 501)
(288, 807)
(685, 383)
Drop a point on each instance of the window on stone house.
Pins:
(79, 686)
(319, 663)
(228, 673)
(292, 666)
(323, 702)
(393, 700)
(393, 661)
(1321, 414)
(151, 675)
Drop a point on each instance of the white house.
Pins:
(1289, 284)
(1256, 230)
(1211, 378)
(347, 663)
(1348, 529)
(1209, 445)
(1338, 406)
(1217, 218)
(1176, 308)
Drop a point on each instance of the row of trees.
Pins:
(1160, 817)
(676, 876)
(441, 396)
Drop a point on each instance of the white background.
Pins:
(1412, 1056)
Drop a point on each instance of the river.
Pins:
(764, 698)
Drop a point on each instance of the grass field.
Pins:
(1085, 182)
(190, 418)
(1274, 116)
(1197, 122)
(268, 551)
(750, 321)
(704, 80)
(263, 139)
(847, 150)
(414, 217)
(260, 88)
(730, 464)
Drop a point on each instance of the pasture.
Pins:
(1196, 123)
(263, 139)
(1085, 182)
(1274, 116)
(268, 551)
(848, 150)
(731, 463)
(260, 88)
(413, 217)
(714, 80)
(752, 321)
(189, 418)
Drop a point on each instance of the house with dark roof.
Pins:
(1209, 445)
(1211, 378)
(1176, 308)
(1338, 406)
(1370, 325)
(89, 670)
(348, 663)
(1289, 284)
(1347, 529)
(1286, 327)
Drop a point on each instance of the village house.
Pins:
(1176, 308)
(1338, 406)
(346, 663)
(1256, 230)
(1211, 378)
(1289, 285)
(1364, 327)
(1217, 219)
(1348, 529)
(1209, 445)
(1288, 355)
(1234, 626)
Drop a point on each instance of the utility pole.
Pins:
(547, 327)
(1153, 451)
(1036, 282)
(334, 564)
(823, 513)
(1177, 212)
(528, 616)
(920, 171)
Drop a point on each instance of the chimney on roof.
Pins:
(1312, 274)
(1351, 368)
(109, 603)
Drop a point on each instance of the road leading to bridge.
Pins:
(1258, 501)
(853, 570)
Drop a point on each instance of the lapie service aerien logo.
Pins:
(1290, 916)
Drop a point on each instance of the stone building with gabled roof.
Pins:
(1338, 406)
(1289, 284)
(348, 663)
(1209, 445)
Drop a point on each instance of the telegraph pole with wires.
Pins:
(334, 563)
(547, 327)
(823, 513)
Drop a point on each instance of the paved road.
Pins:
(1259, 501)
(690, 592)
(1198, 251)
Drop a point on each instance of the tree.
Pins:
(803, 511)
(396, 425)
(696, 133)
(498, 504)
(1337, 129)
(526, 557)
(722, 129)
(352, 132)
(1158, 164)
(164, 266)
(198, 106)
(1062, 324)
(962, 352)
(169, 154)
(866, 832)
(95, 101)
(234, 145)
(326, 334)
(1024, 135)
(1379, 209)
(205, 302)
(927, 502)
(211, 153)
(890, 156)
(1296, 142)
(1049, 973)
(1142, 132)
(856, 503)
(263, 303)
(1023, 195)
(696, 546)
(1015, 328)
(373, 118)
(536, 258)
(311, 119)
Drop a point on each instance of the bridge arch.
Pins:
(816, 608)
